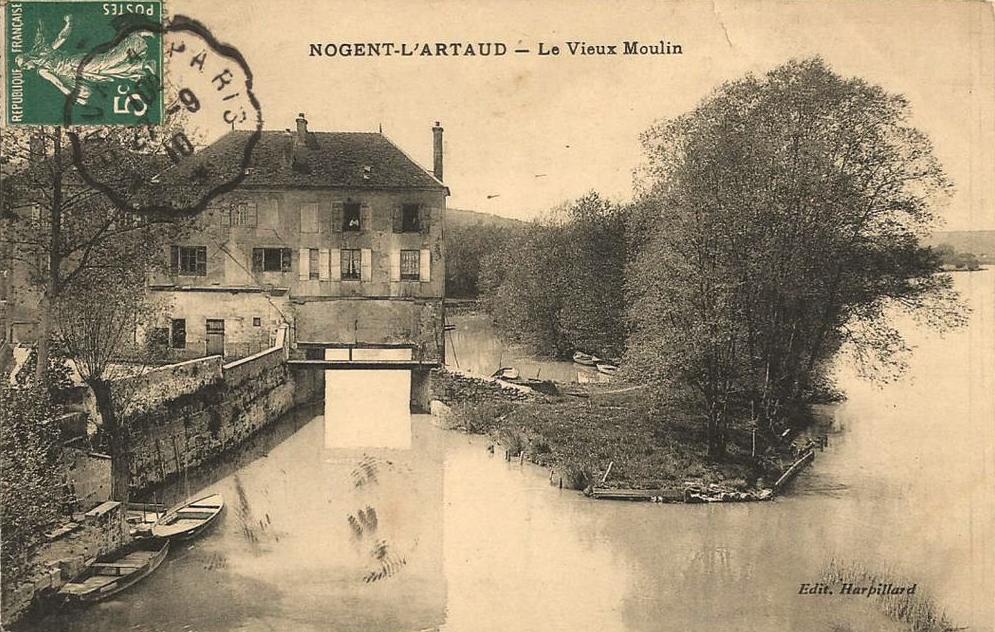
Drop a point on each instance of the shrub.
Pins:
(31, 479)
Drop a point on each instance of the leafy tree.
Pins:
(558, 284)
(31, 477)
(778, 221)
(466, 246)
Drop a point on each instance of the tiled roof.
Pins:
(364, 160)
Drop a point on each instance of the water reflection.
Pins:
(367, 408)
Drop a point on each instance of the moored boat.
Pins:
(586, 359)
(111, 574)
(506, 373)
(607, 369)
(189, 519)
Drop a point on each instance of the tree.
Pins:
(31, 478)
(777, 221)
(84, 258)
(58, 228)
(558, 285)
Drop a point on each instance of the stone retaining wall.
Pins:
(190, 429)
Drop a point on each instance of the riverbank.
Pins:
(614, 442)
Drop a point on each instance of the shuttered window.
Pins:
(410, 218)
(243, 214)
(351, 217)
(410, 265)
(352, 264)
(314, 264)
(309, 217)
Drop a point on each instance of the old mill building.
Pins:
(338, 234)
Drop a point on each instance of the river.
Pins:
(323, 532)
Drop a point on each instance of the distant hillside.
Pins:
(979, 242)
(458, 218)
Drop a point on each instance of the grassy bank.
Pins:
(649, 446)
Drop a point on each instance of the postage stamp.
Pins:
(93, 55)
(206, 94)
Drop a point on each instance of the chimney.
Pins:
(301, 129)
(437, 151)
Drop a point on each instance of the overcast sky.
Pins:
(525, 133)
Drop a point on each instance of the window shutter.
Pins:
(309, 217)
(202, 260)
(174, 259)
(367, 264)
(395, 265)
(285, 264)
(303, 264)
(323, 264)
(396, 218)
(424, 218)
(365, 217)
(271, 213)
(425, 265)
(335, 264)
(338, 208)
(251, 214)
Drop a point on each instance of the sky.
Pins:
(524, 133)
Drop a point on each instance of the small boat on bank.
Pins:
(585, 359)
(189, 519)
(607, 369)
(110, 575)
(506, 373)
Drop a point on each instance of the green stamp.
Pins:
(84, 62)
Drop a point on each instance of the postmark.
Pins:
(208, 103)
(47, 42)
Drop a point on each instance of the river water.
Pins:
(327, 529)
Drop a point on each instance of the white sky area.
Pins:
(577, 120)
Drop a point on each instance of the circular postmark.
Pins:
(191, 118)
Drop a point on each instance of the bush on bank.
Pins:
(31, 483)
(650, 446)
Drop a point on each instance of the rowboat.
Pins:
(607, 369)
(585, 359)
(189, 519)
(506, 373)
(110, 575)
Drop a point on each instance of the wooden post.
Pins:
(607, 472)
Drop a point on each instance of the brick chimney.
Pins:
(437, 151)
(301, 129)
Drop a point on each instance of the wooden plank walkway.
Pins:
(361, 364)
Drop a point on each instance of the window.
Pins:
(352, 264)
(309, 217)
(313, 266)
(350, 216)
(410, 265)
(178, 333)
(409, 219)
(271, 259)
(242, 214)
(257, 322)
(188, 260)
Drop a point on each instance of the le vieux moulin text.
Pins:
(491, 49)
